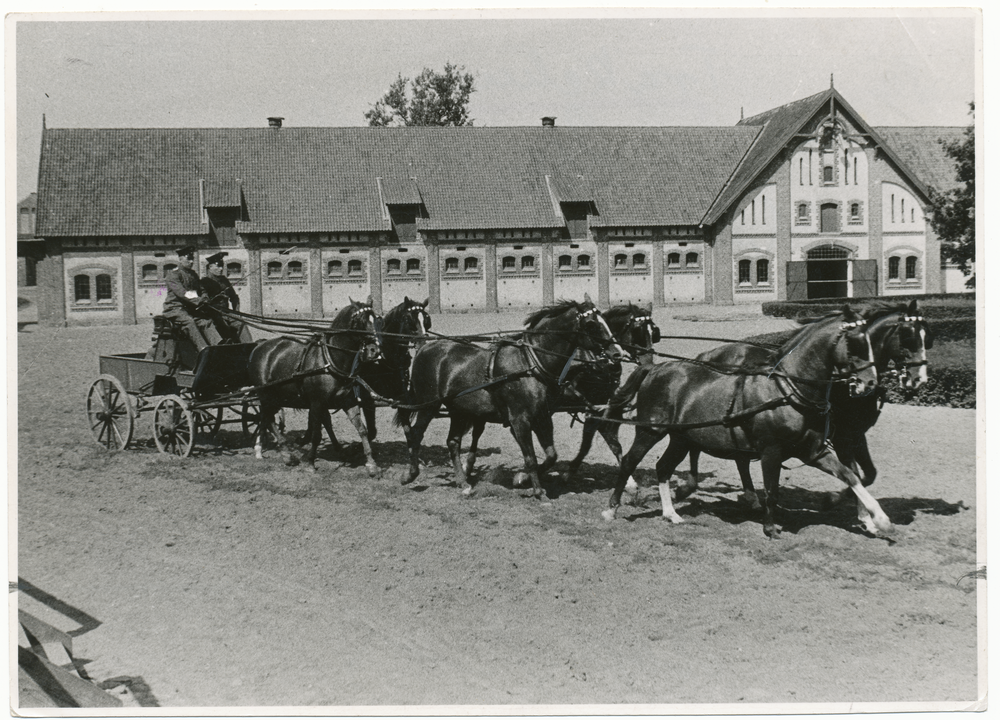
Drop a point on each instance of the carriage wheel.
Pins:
(173, 426)
(110, 413)
(208, 421)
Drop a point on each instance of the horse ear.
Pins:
(586, 298)
(350, 300)
(424, 303)
(406, 300)
(912, 309)
(650, 308)
(369, 300)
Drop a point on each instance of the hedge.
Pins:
(937, 306)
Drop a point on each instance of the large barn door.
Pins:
(797, 281)
(865, 278)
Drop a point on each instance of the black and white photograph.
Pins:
(496, 362)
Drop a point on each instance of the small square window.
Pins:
(673, 260)
(471, 264)
(528, 262)
(354, 267)
(274, 269)
(413, 265)
(691, 260)
(451, 265)
(509, 263)
(393, 266)
(583, 261)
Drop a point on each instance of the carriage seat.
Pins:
(170, 344)
(164, 329)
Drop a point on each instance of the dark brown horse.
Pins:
(770, 413)
(516, 382)
(633, 327)
(318, 375)
(388, 376)
(900, 338)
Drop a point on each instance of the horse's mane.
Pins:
(805, 321)
(344, 318)
(619, 313)
(550, 311)
(881, 309)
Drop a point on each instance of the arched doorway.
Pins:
(827, 272)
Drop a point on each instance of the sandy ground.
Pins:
(219, 580)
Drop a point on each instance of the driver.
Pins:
(185, 301)
(221, 296)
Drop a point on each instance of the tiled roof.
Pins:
(920, 148)
(142, 182)
(778, 126)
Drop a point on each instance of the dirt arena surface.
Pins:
(220, 580)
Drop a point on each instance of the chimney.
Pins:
(548, 122)
(274, 122)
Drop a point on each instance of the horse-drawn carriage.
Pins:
(188, 392)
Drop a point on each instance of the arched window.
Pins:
(763, 275)
(274, 269)
(894, 268)
(583, 261)
(855, 210)
(621, 261)
(802, 213)
(353, 267)
(472, 264)
(911, 268)
(413, 265)
(528, 263)
(294, 269)
(451, 264)
(335, 268)
(565, 262)
(691, 260)
(81, 288)
(102, 285)
(673, 260)
(234, 270)
(639, 260)
(509, 263)
(394, 266)
(168, 267)
(150, 272)
(744, 272)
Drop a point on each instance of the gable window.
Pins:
(802, 214)
(762, 271)
(393, 266)
(744, 272)
(413, 265)
(828, 218)
(103, 288)
(81, 288)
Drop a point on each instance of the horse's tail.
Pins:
(624, 395)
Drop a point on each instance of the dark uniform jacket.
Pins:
(179, 282)
(220, 291)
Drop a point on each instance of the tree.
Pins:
(433, 98)
(954, 211)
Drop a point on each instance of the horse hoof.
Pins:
(372, 470)
(609, 514)
(772, 531)
(631, 487)
(520, 479)
(309, 469)
(467, 490)
(751, 499)
(672, 518)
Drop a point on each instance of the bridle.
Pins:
(899, 360)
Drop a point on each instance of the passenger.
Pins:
(222, 296)
(185, 301)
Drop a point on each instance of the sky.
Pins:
(895, 67)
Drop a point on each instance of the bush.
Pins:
(946, 386)
(938, 307)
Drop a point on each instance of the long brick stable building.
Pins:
(805, 200)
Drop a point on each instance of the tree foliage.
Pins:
(432, 98)
(954, 211)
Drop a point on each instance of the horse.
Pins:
(318, 374)
(900, 338)
(388, 376)
(635, 331)
(770, 413)
(516, 382)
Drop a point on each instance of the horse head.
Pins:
(595, 332)
(912, 339)
(364, 320)
(416, 320)
(643, 332)
(853, 357)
